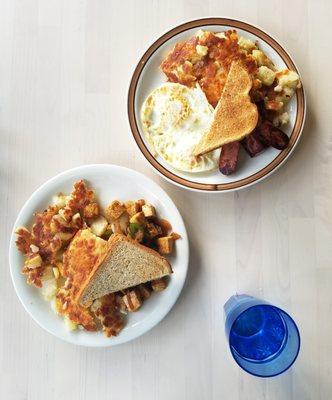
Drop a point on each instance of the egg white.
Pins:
(174, 119)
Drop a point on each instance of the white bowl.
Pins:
(109, 182)
(148, 76)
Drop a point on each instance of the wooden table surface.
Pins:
(64, 73)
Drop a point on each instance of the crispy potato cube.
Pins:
(138, 218)
(77, 221)
(99, 225)
(149, 211)
(175, 236)
(33, 261)
(131, 207)
(165, 244)
(66, 213)
(65, 236)
(144, 291)
(114, 210)
(91, 210)
(132, 301)
(158, 285)
(60, 200)
(116, 226)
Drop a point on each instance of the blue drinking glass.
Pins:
(264, 340)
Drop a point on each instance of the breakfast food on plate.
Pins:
(174, 119)
(125, 263)
(95, 266)
(217, 64)
(235, 115)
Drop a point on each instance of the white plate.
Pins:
(109, 182)
(148, 76)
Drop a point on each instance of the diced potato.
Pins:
(99, 225)
(60, 200)
(246, 44)
(114, 210)
(201, 50)
(175, 236)
(266, 75)
(132, 301)
(77, 221)
(220, 35)
(49, 284)
(124, 222)
(91, 210)
(33, 261)
(165, 244)
(131, 207)
(149, 211)
(288, 78)
(116, 226)
(261, 58)
(144, 291)
(66, 213)
(158, 285)
(138, 218)
(65, 236)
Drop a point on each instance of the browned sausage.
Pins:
(252, 144)
(228, 157)
(270, 135)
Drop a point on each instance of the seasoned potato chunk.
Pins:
(114, 210)
(149, 211)
(132, 301)
(158, 285)
(138, 218)
(91, 210)
(99, 225)
(165, 244)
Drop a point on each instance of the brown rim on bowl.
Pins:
(294, 137)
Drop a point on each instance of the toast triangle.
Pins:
(235, 115)
(126, 263)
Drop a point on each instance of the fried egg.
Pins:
(174, 119)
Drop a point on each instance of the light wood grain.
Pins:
(64, 73)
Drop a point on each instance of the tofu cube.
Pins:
(165, 244)
(149, 211)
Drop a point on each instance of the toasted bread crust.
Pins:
(113, 241)
(235, 115)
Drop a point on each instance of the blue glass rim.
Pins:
(297, 332)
